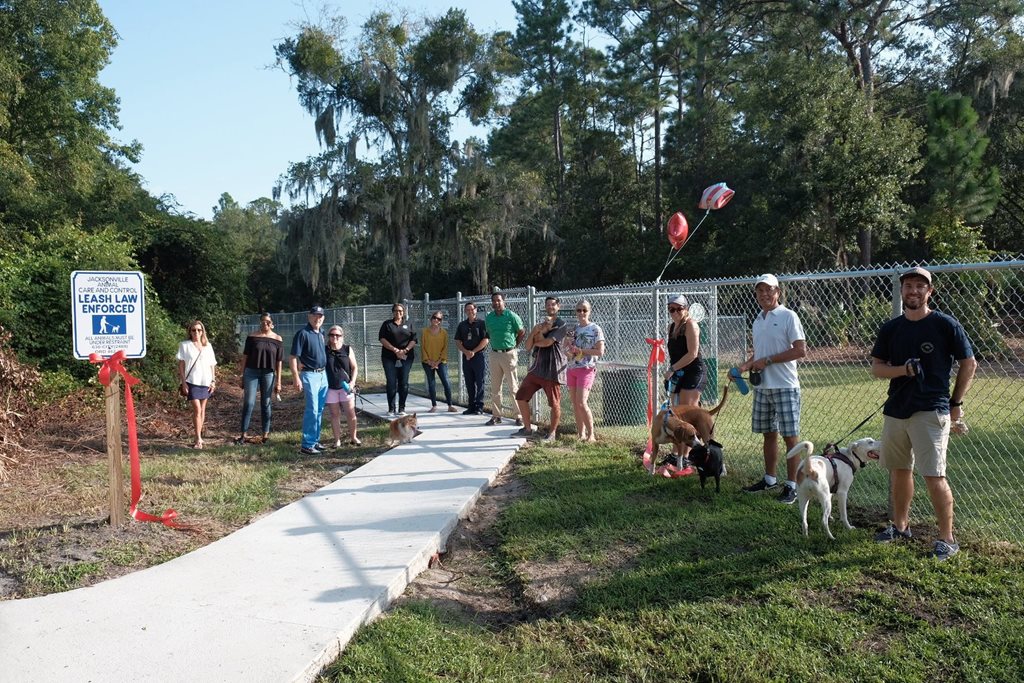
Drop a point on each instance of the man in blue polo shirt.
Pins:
(309, 358)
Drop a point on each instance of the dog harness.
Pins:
(832, 453)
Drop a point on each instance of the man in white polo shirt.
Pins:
(779, 342)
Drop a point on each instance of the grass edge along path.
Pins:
(677, 584)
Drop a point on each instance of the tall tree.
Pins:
(55, 116)
(548, 61)
(398, 90)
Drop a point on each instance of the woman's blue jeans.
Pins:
(442, 372)
(251, 380)
(397, 381)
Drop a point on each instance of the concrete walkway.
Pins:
(279, 599)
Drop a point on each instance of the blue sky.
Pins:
(198, 90)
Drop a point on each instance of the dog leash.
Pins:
(834, 445)
(364, 400)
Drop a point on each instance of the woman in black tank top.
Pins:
(341, 385)
(260, 368)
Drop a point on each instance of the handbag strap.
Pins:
(193, 366)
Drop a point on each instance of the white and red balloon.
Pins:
(715, 197)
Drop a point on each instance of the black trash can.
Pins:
(624, 396)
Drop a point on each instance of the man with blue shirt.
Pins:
(308, 361)
(915, 352)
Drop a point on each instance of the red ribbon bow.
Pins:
(110, 366)
(657, 356)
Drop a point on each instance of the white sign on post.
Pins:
(108, 313)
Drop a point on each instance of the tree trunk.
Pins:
(402, 287)
(657, 167)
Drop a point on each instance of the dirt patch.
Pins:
(465, 580)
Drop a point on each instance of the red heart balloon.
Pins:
(678, 229)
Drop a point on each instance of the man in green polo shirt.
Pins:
(505, 330)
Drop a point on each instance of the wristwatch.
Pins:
(955, 404)
(768, 361)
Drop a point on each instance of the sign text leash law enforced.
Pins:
(108, 313)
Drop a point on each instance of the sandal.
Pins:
(356, 442)
(198, 445)
(452, 409)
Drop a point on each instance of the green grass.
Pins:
(61, 578)
(985, 467)
(692, 586)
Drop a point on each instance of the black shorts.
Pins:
(692, 377)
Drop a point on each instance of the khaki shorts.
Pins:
(919, 441)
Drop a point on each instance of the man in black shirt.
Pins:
(471, 338)
(915, 352)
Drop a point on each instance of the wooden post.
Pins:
(115, 474)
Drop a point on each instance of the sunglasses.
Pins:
(436, 318)
(334, 334)
(583, 310)
(196, 329)
(674, 309)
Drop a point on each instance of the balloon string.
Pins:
(672, 257)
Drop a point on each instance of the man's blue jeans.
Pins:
(252, 379)
(314, 386)
(397, 381)
(442, 372)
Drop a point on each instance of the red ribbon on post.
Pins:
(110, 366)
(657, 356)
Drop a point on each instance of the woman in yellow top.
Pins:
(434, 350)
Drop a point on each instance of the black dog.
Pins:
(709, 461)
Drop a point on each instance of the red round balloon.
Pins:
(678, 229)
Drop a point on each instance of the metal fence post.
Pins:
(366, 349)
(458, 356)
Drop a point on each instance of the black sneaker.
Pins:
(470, 411)
(759, 485)
(309, 451)
(891, 533)
(788, 495)
(318, 448)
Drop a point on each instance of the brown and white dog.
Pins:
(702, 419)
(402, 430)
(821, 476)
(667, 428)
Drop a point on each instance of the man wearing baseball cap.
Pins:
(915, 352)
(308, 361)
(779, 341)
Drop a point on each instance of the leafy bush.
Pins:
(35, 300)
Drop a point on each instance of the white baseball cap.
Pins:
(767, 279)
(679, 300)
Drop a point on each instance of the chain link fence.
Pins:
(841, 313)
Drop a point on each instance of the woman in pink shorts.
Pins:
(341, 385)
(586, 341)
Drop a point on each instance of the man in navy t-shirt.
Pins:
(915, 352)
